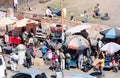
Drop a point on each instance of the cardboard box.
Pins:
(38, 62)
(96, 62)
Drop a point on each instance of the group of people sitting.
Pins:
(50, 12)
(98, 15)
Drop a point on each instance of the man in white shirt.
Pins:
(100, 44)
(48, 12)
(6, 37)
(15, 4)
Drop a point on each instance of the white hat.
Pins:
(56, 59)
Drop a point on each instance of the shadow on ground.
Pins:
(53, 76)
(95, 74)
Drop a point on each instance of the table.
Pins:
(14, 40)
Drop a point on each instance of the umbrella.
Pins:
(111, 47)
(6, 24)
(79, 76)
(6, 21)
(111, 33)
(77, 29)
(76, 42)
(23, 22)
(21, 47)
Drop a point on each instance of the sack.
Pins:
(33, 53)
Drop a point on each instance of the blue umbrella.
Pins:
(111, 33)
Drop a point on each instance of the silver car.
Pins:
(30, 73)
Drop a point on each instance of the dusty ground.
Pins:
(49, 73)
(76, 7)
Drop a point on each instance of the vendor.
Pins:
(102, 60)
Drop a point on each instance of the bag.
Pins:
(34, 51)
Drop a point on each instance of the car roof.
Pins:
(31, 71)
(79, 76)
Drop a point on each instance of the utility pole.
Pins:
(61, 4)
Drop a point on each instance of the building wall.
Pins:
(10, 2)
(6, 2)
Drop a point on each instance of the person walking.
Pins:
(28, 55)
(44, 51)
(6, 38)
(12, 62)
(15, 4)
(102, 60)
(58, 71)
(85, 17)
(62, 59)
(31, 41)
(80, 60)
(68, 58)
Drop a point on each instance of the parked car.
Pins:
(2, 67)
(30, 73)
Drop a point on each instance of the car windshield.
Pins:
(42, 75)
(22, 75)
(0, 61)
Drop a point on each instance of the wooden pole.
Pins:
(61, 3)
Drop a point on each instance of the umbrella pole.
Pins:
(61, 5)
(61, 2)
(6, 28)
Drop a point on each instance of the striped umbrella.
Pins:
(76, 42)
(111, 33)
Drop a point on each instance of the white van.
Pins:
(2, 67)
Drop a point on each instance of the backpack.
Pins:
(28, 53)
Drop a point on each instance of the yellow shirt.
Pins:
(102, 62)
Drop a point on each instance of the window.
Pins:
(22, 75)
(1, 61)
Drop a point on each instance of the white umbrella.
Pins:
(111, 47)
(23, 22)
(77, 29)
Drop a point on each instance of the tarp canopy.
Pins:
(23, 22)
(6, 21)
(77, 29)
